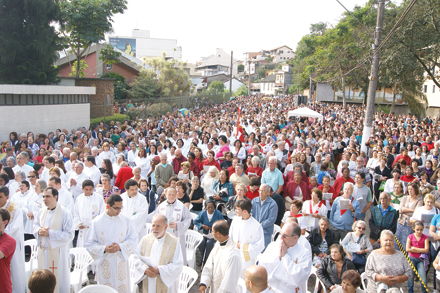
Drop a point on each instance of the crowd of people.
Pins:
(276, 199)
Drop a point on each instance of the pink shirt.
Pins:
(221, 151)
(418, 244)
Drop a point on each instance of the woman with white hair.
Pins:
(355, 238)
(386, 267)
(255, 168)
(209, 180)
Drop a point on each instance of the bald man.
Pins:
(256, 280)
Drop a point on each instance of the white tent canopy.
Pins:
(305, 112)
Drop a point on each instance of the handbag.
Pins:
(359, 259)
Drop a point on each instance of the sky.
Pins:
(232, 25)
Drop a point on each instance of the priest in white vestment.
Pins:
(88, 206)
(178, 215)
(159, 259)
(256, 280)
(53, 229)
(222, 269)
(21, 198)
(91, 171)
(247, 234)
(64, 196)
(135, 206)
(74, 183)
(288, 263)
(111, 240)
(15, 230)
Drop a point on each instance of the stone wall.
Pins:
(103, 99)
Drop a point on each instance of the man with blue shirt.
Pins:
(383, 216)
(273, 176)
(265, 210)
(341, 220)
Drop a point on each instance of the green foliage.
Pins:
(28, 41)
(120, 84)
(82, 66)
(108, 119)
(153, 110)
(269, 59)
(242, 91)
(385, 109)
(240, 68)
(292, 89)
(109, 55)
(144, 87)
(86, 22)
(171, 77)
(216, 87)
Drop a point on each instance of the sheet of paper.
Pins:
(353, 247)
(309, 221)
(396, 206)
(309, 159)
(327, 196)
(252, 174)
(377, 176)
(343, 203)
(426, 218)
(206, 168)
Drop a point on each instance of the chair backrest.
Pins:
(97, 289)
(194, 216)
(32, 243)
(148, 227)
(363, 279)
(318, 281)
(193, 239)
(241, 286)
(276, 229)
(82, 257)
(188, 277)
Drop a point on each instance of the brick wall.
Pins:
(129, 73)
(98, 102)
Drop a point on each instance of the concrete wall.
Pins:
(43, 119)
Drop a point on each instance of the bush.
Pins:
(137, 112)
(159, 109)
(114, 117)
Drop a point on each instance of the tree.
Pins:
(240, 68)
(145, 87)
(82, 67)
(269, 59)
(216, 87)
(120, 84)
(28, 42)
(171, 76)
(242, 91)
(86, 22)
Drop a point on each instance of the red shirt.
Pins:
(430, 145)
(195, 169)
(251, 195)
(124, 174)
(330, 190)
(7, 246)
(338, 185)
(258, 171)
(177, 164)
(212, 163)
(406, 158)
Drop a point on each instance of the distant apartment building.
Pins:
(281, 54)
(218, 63)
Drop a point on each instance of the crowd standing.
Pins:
(275, 197)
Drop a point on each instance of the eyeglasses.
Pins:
(285, 236)
(32, 176)
(361, 228)
(117, 209)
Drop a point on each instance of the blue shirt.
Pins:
(266, 215)
(384, 212)
(436, 222)
(274, 179)
(345, 221)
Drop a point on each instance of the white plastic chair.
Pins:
(317, 282)
(131, 264)
(98, 289)
(187, 279)
(193, 240)
(148, 228)
(79, 274)
(194, 216)
(32, 264)
(241, 286)
(363, 279)
(276, 229)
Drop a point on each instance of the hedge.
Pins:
(114, 117)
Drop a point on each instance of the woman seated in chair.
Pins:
(333, 266)
(204, 222)
(350, 283)
(321, 238)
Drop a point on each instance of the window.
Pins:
(433, 88)
(2, 99)
(109, 67)
(425, 88)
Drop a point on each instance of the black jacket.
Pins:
(386, 172)
(315, 240)
(328, 272)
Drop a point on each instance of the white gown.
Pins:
(65, 199)
(113, 268)
(76, 190)
(167, 272)
(57, 238)
(289, 273)
(93, 174)
(251, 237)
(87, 208)
(136, 208)
(34, 204)
(106, 155)
(21, 199)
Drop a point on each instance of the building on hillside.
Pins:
(431, 90)
(141, 45)
(267, 85)
(129, 66)
(281, 54)
(277, 82)
(218, 63)
(225, 79)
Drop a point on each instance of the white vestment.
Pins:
(15, 230)
(289, 273)
(251, 237)
(113, 268)
(76, 190)
(34, 204)
(168, 273)
(106, 155)
(25, 168)
(65, 199)
(14, 187)
(177, 213)
(56, 239)
(222, 269)
(136, 208)
(93, 174)
(21, 199)
(87, 208)
(45, 175)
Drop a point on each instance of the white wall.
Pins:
(43, 119)
(156, 47)
(235, 85)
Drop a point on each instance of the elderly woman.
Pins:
(255, 168)
(408, 204)
(204, 222)
(15, 185)
(10, 162)
(427, 209)
(396, 195)
(240, 190)
(315, 208)
(389, 184)
(321, 238)
(137, 174)
(296, 189)
(209, 180)
(425, 185)
(386, 266)
(196, 195)
(351, 280)
(223, 188)
(106, 188)
(355, 238)
(181, 189)
(149, 195)
(333, 266)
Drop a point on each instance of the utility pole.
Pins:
(368, 123)
(297, 84)
(230, 79)
(310, 88)
(249, 79)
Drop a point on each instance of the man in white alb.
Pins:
(135, 206)
(53, 229)
(88, 206)
(76, 179)
(179, 217)
(22, 166)
(162, 252)
(64, 196)
(256, 280)
(222, 269)
(111, 240)
(92, 172)
(247, 234)
(288, 263)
